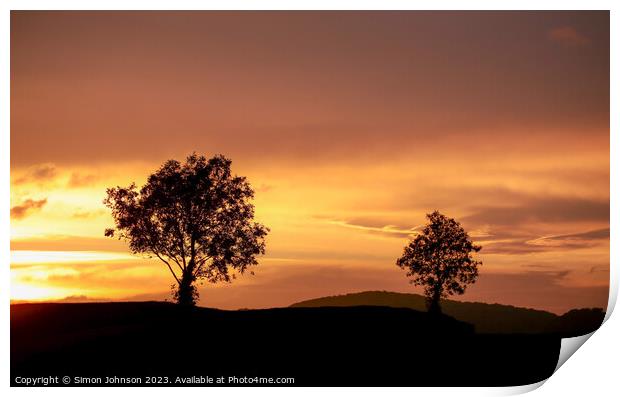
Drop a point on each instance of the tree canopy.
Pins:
(196, 217)
(440, 259)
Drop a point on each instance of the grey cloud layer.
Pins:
(544, 209)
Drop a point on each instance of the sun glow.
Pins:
(30, 292)
(35, 257)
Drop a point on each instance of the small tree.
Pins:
(440, 259)
(196, 217)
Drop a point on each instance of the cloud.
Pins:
(512, 247)
(576, 240)
(600, 234)
(521, 245)
(26, 207)
(377, 226)
(78, 180)
(264, 188)
(45, 270)
(80, 299)
(516, 226)
(40, 173)
(68, 243)
(551, 210)
(567, 36)
(599, 268)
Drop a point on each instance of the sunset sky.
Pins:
(351, 126)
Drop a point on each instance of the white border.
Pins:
(308, 5)
(594, 371)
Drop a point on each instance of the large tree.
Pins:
(196, 217)
(440, 259)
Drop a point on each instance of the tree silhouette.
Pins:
(196, 217)
(440, 259)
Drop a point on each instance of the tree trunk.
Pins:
(186, 293)
(434, 307)
(433, 304)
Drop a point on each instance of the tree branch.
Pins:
(171, 256)
(153, 250)
(167, 264)
(202, 262)
(181, 247)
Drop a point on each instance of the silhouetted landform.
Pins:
(335, 346)
(577, 322)
(486, 318)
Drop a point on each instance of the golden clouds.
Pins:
(27, 207)
(39, 173)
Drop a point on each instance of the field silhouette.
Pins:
(318, 346)
(486, 318)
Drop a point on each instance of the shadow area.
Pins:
(326, 346)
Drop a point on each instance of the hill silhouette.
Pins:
(335, 346)
(486, 318)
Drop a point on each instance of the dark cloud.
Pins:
(548, 210)
(573, 241)
(509, 226)
(40, 173)
(27, 207)
(600, 234)
(532, 244)
(568, 36)
(442, 197)
(496, 206)
(506, 229)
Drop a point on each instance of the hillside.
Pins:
(337, 346)
(486, 318)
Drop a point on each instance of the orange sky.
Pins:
(350, 126)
